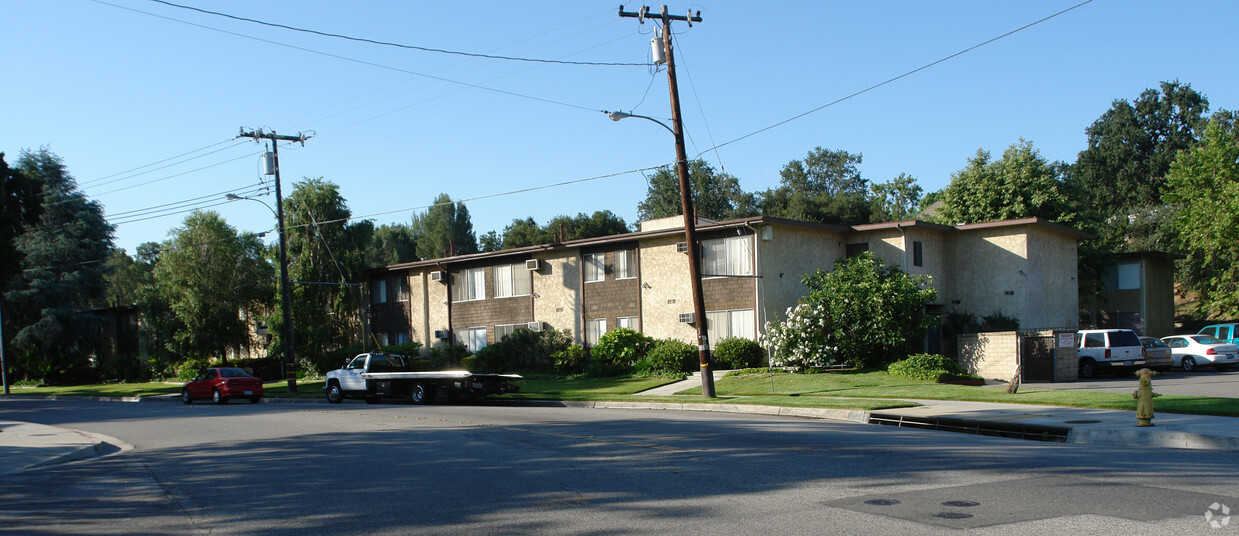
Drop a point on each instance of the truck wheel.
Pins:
(421, 394)
(334, 394)
(1088, 369)
(1189, 364)
(218, 397)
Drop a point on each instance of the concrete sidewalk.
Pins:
(25, 446)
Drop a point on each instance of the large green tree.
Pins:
(1022, 184)
(1204, 183)
(47, 307)
(1121, 176)
(214, 281)
(898, 199)
(825, 187)
(716, 195)
(390, 244)
(323, 257)
(21, 203)
(444, 230)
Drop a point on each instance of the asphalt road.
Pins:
(399, 469)
(1206, 382)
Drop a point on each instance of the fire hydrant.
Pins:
(1144, 397)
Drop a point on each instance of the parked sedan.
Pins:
(1157, 354)
(1192, 351)
(221, 384)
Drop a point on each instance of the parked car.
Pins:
(222, 384)
(1192, 351)
(1157, 354)
(1228, 333)
(1099, 350)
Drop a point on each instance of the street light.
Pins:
(285, 306)
(616, 116)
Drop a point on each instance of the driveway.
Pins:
(1207, 382)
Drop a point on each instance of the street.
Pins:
(496, 469)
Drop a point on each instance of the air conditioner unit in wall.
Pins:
(442, 333)
(686, 318)
(536, 326)
(681, 247)
(438, 276)
(533, 265)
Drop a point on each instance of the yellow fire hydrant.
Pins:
(1144, 397)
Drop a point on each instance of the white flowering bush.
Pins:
(801, 340)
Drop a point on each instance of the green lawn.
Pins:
(843, 389)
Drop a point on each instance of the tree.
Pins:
(22, 202)
(125, 279)
(390, 244)
(322, 258)
(521, 233)
(444, 230)
(600, 223)
(1121, 176)
(213, 280)
(1020, 185)
(824, 187)
(862, 313)
(716, 196)
(1204, 183)
(50, 318)
(896, 200)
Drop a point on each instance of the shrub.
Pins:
(929, 367)
(737, 353)
(571, 360)
(620, 348)
(189, 368)
(448, 356)
(801, 340)
(524, 350)
(668, 357)
(997, 321)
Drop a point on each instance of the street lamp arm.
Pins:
(616, 116)
(235, 197)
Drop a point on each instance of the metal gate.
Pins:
(1037, 357)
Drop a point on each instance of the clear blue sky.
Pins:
(112, 86)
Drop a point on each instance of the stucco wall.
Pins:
(556, 288)
(985, 265)
(784, 258)
(1051, 290)
(665, 272)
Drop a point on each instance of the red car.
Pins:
(221, 384)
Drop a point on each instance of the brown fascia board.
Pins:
(906, 224)
(1039, 222)
(626, 237)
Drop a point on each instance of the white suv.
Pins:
(1108, 349)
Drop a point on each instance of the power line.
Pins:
(95, 181)
(398, 45)
(891, 80)
(180, 207)
(355, 60)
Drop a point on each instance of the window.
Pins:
(1128, 276)
(503, 330)
(594, 329)
(471, 285)
(401, 337)
(630, 322)
(400, 285)
(735, 323)
(917, 253)
(726, 256)
(626, 264)
(594, 266)
(474, 339)
(511, 280)
(378, 291)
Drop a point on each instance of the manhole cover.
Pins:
(961, 504)
(882, 502)
(953, 515)
(1085, 421)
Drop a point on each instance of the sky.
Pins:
(143, 100)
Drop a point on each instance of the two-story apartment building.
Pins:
(751, 273)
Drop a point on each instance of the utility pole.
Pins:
(286, 331)
(686, 193)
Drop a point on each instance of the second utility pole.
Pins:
(686, 193)
(286, 328)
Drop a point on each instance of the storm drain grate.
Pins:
(1031, 432)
